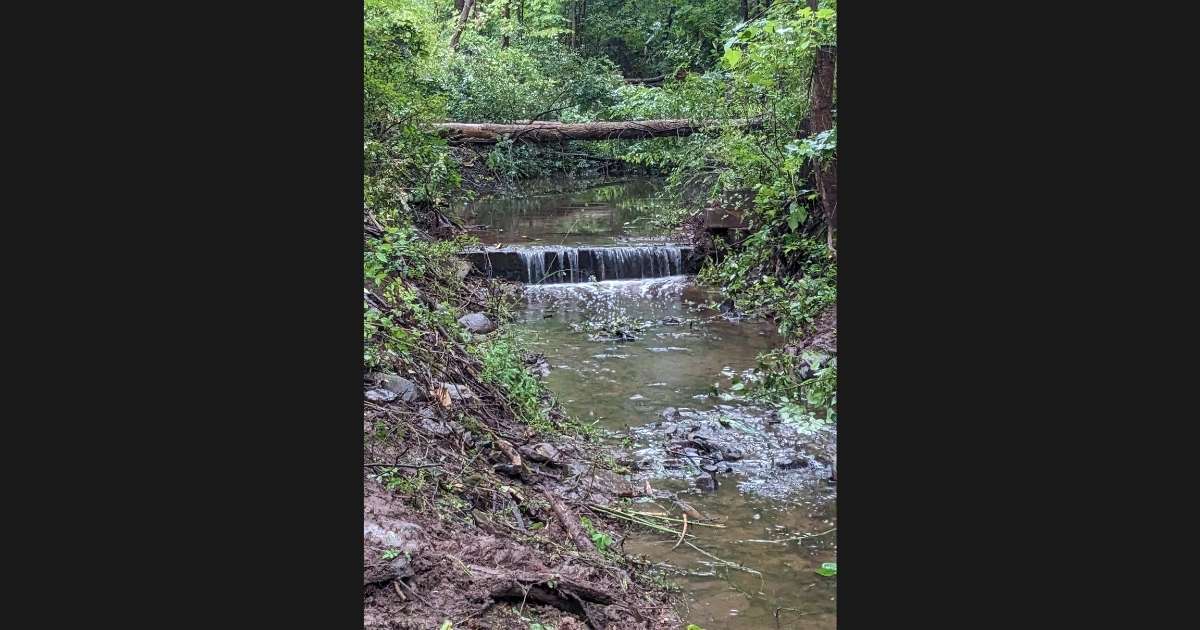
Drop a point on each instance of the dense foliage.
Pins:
(565, 60)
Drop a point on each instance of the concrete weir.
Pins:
(580, 264)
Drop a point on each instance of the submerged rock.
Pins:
(477, 323)
(706, 483)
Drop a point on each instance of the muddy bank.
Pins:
(478, 520)
(474, 517)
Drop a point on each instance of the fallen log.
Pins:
(570, 523)
(544, 132)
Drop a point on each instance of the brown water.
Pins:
(780, 524)
(605, 212)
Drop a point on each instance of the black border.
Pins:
(226, 316)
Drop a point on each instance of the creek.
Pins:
(637, 348)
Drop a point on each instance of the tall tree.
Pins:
(462, 22)
(821, 113)
(504, 38)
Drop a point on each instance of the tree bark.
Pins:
(744, 10)
(574, 21)
(462, 22)
(646, 80)
(546, 132)
(824, 70)
(504, 38)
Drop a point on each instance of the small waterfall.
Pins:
(573, 257)
(571, 265)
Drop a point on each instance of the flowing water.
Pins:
(648, 360)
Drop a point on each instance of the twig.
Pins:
(726, 562)
(639, 521)
(386, 465)
(668, 518)
(682, 533)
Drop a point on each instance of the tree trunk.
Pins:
(647, 80)
(462, 22)
(546, 132)
(824, 69)
(744, 11)
(504, 38)
(574, 21)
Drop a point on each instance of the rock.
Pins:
(477, 323)
(539, 368)
(607, 480)
(436, 427)
(789, 462)
(402, 536)
(644, 458)
(404, 388)
(458, 393)
(728, 452)
(670, 413)
(815, 454)
(689, 510)
(403, 540)
(380, 395)
(711, 439)
(706, 483)
(508, 469)
(543, 453)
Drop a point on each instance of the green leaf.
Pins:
(828, 569)
(732, 57)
